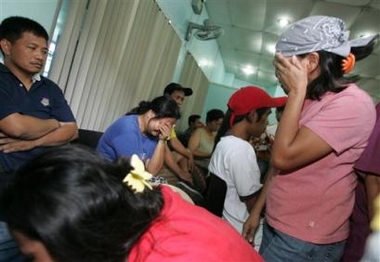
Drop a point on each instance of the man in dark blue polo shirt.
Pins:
(34, 114)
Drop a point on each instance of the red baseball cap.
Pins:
(249, 98)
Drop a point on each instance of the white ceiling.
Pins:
(251, 29)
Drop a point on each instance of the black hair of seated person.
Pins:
(162, 106)
(226, 123)
(74, 202)
(13, 27)
(214, 115)
(192, 119)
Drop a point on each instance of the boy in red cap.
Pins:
(234, 159)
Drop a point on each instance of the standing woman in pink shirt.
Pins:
(327, 122)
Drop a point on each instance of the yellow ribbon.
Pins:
(137, 177)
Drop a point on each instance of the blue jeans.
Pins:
(277, 246)
(9, 250)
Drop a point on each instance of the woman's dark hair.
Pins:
(226, 122)
(162, 106)
(213, 115)
(332, 77)
(74, 202)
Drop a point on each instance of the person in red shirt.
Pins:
(70, 204)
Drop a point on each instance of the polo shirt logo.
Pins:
(45, 101)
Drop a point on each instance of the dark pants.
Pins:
(359, 226)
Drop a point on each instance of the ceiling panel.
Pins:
(377, 50)
(291, 9)
(228, 54)
(368, 67)
(219, 12)
(374, 4)
(267, 78)
(347, 13)
(350, 2)
(266, 64)
(247, 40)
(247, 14)
(251, 30)
(227, 39)
(367, 22)
(371, 86)
(268, 49)
(246, 58)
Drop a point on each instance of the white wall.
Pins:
(206, 53)
(42, 11)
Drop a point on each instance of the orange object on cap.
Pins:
(248, 98)
(348, 63)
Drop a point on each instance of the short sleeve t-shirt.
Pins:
(185, 232)
(234, 161)
(124, 138)
(44, 100)
(313, 203)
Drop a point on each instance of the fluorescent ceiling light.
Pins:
(283, 21)
(271, 48)
(205, 63)
(366, 34)
(248, 70)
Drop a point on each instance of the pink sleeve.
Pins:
(369, 162)
(343, 122)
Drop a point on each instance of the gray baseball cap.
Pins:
(317, 33)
